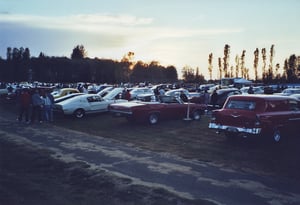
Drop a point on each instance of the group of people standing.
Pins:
(35, 106)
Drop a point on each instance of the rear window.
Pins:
(241, 105)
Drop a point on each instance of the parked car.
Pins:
(81, 105)
(60, 99)
(194, 97)
(289, 91)
(169, 107)
(223, 94)
(256, 90)
(267, 116)
(104, 91)
(135, 92)
(297, 96)
(64, 91)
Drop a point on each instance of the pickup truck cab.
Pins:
(268, 116)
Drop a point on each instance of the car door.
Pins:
(174, 109)
(96, 104)
(294, 118)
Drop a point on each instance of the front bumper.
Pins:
(234, 129)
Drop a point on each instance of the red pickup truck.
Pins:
(267, 116)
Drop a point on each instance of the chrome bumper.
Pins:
(226, 128)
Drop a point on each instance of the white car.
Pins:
(256, 90)
(81, 105)
(135, 92)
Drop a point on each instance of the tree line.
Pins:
(20, 66)
(270, 73)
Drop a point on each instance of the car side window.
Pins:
(294, 105)
(93, 99)
(241, 104)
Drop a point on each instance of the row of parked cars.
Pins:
(137, 108)
(275, 117)
(239, 114)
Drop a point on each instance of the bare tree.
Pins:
(220, 68)
(210, 66)
(255, 63)
(226, 60)
(270, 70)
(237, 65)
(264, 58)
(243, 69)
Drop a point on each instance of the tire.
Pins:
(196, 115)
(153, 118)
(276, 136)
(79, 113)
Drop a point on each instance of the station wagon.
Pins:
(268, 116)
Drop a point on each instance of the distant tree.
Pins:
(237, 66)
(277, 74)
(42, 55)
(270, 74)
(243, 69)
(226, 60)
(171, 74)
(26, 54)
(255, 63)
(231, 71)
(264, 58)
(210, 66)
(188, 74)
(79, 52)
(9, 54)
(220, 67)
(291, 69)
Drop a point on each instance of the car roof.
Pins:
(261, 96)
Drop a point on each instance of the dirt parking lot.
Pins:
(29, 176)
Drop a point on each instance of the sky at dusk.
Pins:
(173, 32)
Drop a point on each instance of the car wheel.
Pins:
(196, 115)
(153, 118)
(277, 137)
(79, 113)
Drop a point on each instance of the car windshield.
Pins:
(241, 104)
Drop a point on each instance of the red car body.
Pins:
(168, 107)
(257, 115)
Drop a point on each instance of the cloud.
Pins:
(82, 21)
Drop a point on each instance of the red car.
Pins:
(258, 115)
(169, 107)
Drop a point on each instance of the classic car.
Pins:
(269, 116)
(64, 91)
(81, 105)
(168, 107)
(57, 100)
(194, 97)
(223, 94)
(256, 90)
(135, 92)
(289, 91)
(297, 96)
